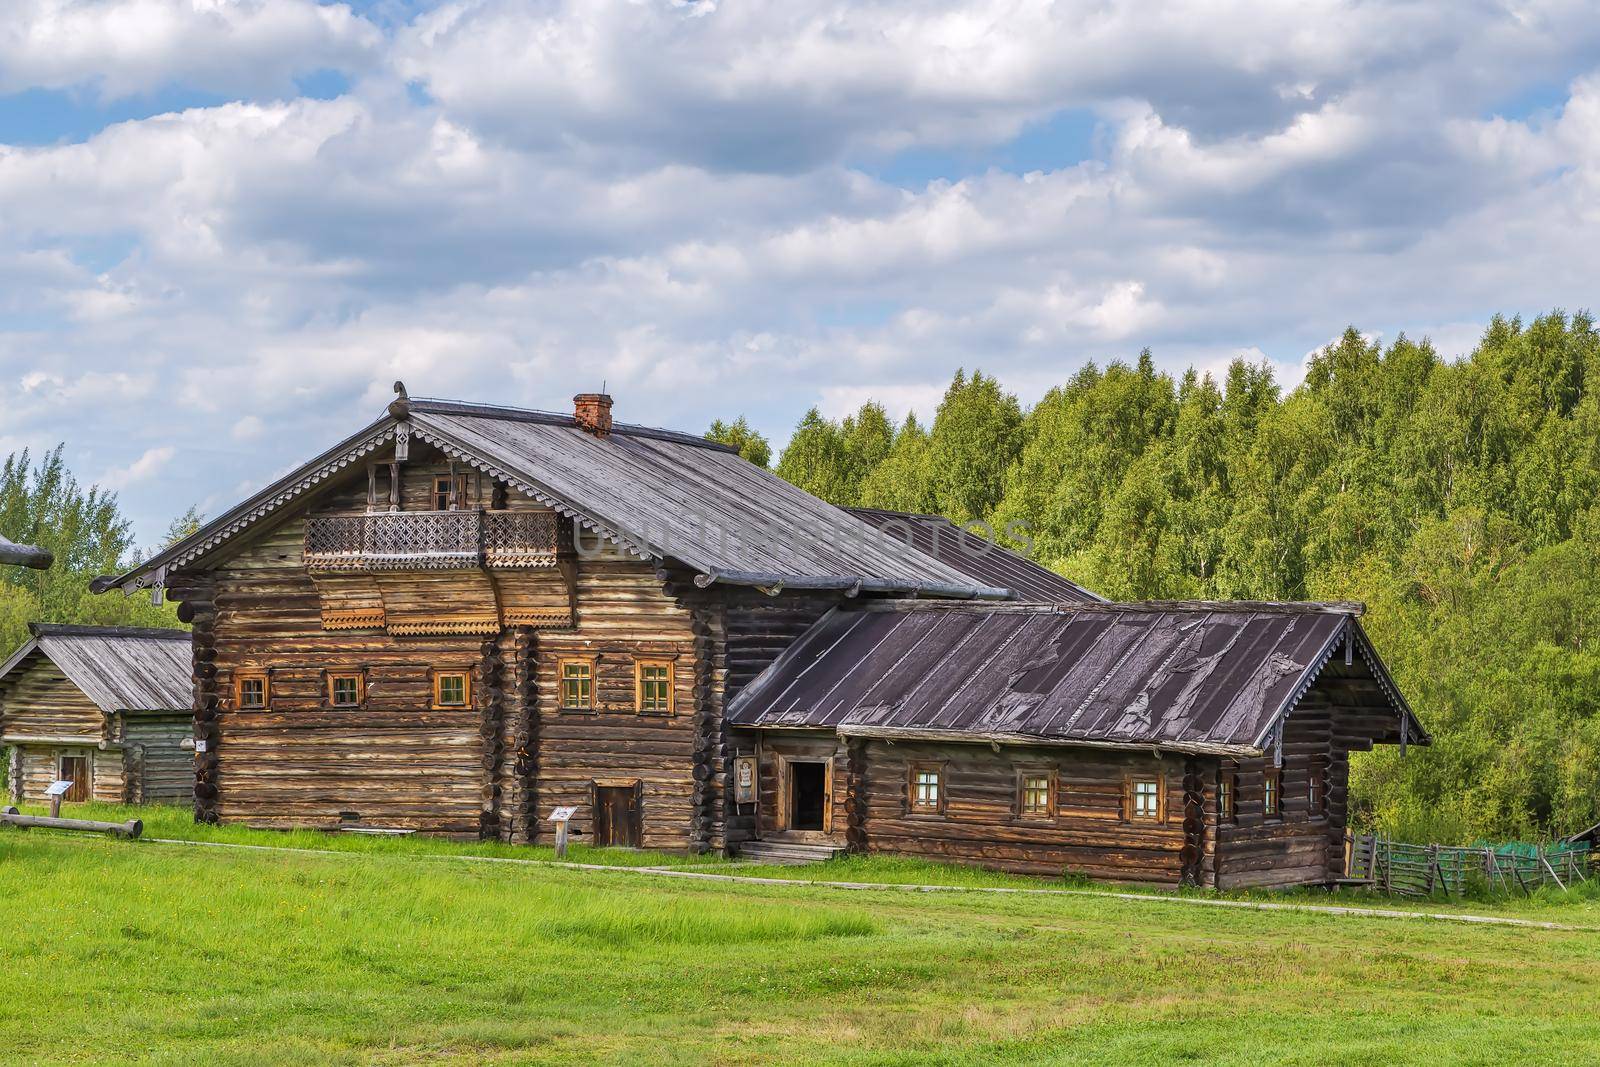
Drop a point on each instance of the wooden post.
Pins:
(1552, 871)
(561, 817)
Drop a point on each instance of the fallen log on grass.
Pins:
(130, 829)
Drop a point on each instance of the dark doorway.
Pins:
(808, 796)
(75, 769)
(616, 815)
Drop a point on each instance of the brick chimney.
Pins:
(592, 412)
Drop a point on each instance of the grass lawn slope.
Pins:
(169, 953)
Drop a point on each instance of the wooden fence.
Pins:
(1400, 869)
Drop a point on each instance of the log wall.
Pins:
(1090, 831)
(756, 629)
(43, 703)
(132, 757)
(492, 770)
(34, 768)
(159, 769)
(394, 762)
(622, 614)
(1341, 713)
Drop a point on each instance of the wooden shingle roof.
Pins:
(118, 668)
(665, 496)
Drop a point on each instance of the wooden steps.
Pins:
(786, 853)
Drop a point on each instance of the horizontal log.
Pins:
(130, 829)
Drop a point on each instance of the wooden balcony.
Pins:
(431, 540)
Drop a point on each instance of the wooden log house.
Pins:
(464, 616)
(106, 708)
(1199, 743)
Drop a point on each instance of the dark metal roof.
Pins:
(119, 668)
(660, 494)
(1191, 677)
(976, 556)
(17, 555)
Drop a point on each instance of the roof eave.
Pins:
(1411, 731)
(907, 733)
(29, 647)
(852, 585)
(214, 534)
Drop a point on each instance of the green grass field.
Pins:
(392, 953)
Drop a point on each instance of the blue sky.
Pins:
(227, 225)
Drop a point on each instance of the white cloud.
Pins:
(677, 200)
(122, 47)
(152, 462)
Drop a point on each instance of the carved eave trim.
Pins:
(284, 493)
(456, 451)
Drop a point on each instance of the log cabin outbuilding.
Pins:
(106, 708)
(464, 616)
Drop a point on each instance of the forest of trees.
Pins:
(1457, 499)
(42, 504)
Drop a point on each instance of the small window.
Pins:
(1272, 791)
(449, 493)
(346, 689)
(1038, 795)
(1146, 798)
(451, 689)
(577, 683)
(1314, 792)
(927, 788)
(653, 685)
(1225, 794)
(251, 691)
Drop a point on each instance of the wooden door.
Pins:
(75, 769)
(616, 815)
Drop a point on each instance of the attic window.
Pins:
(251, 691)
(449, 493)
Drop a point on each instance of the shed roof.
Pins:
(119, 668)
(1198, 677)
(660, 494)
(976, 556)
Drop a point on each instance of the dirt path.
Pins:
(744, 879)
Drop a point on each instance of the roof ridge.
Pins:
(891, 511)
(439, 406)
(1282, 607)
(63, 629)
